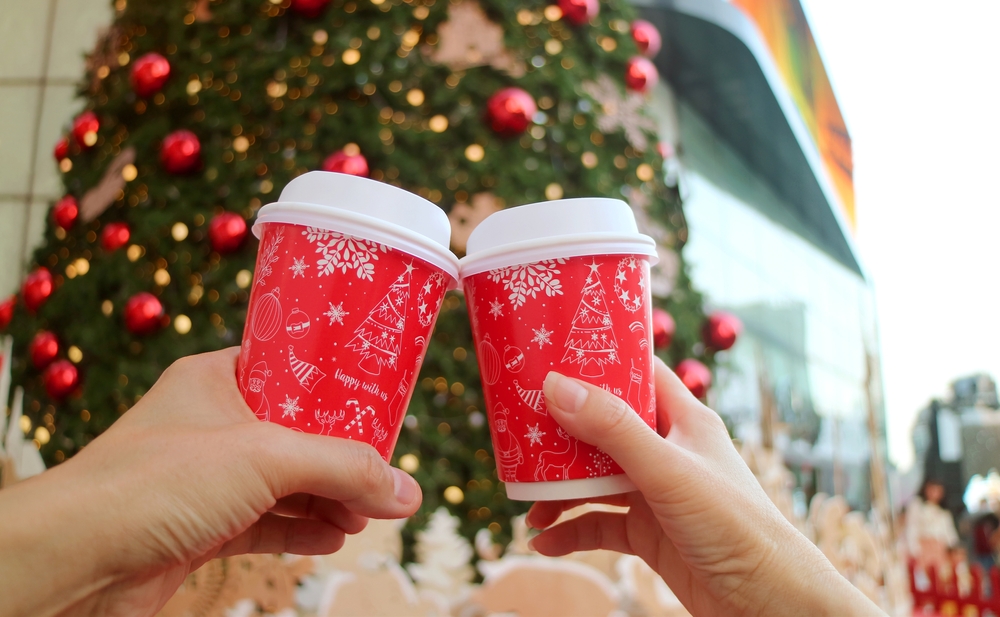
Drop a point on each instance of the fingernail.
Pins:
(567, 394)
(531, 544)
(403, 485)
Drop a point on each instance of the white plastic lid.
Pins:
(553, 230)
(367, 209)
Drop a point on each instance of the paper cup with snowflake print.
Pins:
(559, 286)
(350, 277)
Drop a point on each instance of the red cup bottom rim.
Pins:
(559, 247)
(362, 226)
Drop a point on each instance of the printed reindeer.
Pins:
(380, 434)
(327, 419)
(549, 465)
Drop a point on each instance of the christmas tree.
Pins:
(591, 342)
(200, 111)
(378, 336)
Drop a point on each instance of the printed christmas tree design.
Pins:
(379, 335)
(591, 342)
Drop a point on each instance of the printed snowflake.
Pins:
(336, 313)
(343, 252)
(621, 113)
(529, 279)
(534, 435)
(298, 267)
(290, 407)
(496, 309)
(542, 336)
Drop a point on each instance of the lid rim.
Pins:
(386, 232)
(558, 247)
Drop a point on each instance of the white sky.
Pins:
(917, 82)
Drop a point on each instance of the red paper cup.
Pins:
(559, 286)
(349, 281)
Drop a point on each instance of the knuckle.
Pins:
(615, 414)
(370, 469)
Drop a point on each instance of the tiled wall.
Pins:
(42, 44)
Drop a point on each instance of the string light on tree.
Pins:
(85, 128)
(149, 73)
(180, 152)
(143, 313)
(227, 231)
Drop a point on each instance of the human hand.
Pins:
(187, 475)
(700, 519)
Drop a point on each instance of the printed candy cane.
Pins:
(359, 413)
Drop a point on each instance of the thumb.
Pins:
(599, 418)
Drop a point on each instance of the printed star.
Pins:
(427, 287)
(336, 313)
(290, 407)
(631, 264)
(542, 336)
(422, 307)
(409, 268)
(496, 309)
(624, 297)
(298, 267)
(593, 267)
(621, 276)
(534, 435)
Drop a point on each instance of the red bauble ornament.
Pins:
(344, 163)
(61, 150)
(641, 74)
(114, 236)
(7, 311)
(37, 288)
(695, 376)
(143, 313)
(85, 128)
(579, 12)
(663, 328)
(721, 330)
(227, 232)
(309, 8)
(60, 379)
(149, 73)
(666, 149)
(180, 152)
(510, 111)
(44, 349)
(646, 37)
(65, 211)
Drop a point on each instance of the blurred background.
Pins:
(834, 161)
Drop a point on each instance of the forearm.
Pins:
(806, 583)
(49, 560)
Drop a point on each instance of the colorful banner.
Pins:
(786, 32)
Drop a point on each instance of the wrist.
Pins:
(49, 562)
